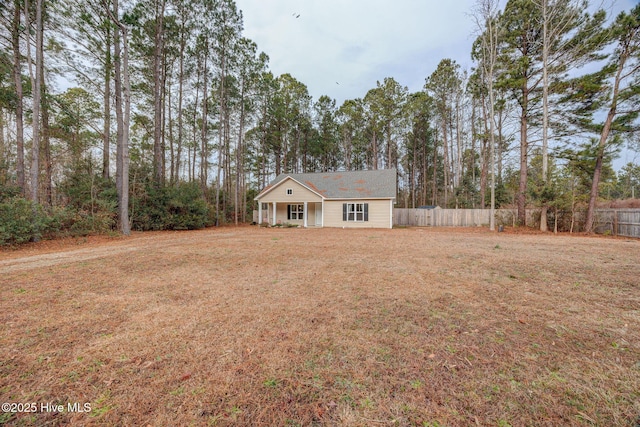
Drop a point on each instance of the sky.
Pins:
(341, 48)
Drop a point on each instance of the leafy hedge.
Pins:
(170, 208)
(91, 203)
(91, 208)
(22, 221)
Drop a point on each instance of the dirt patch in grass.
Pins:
(263, 327)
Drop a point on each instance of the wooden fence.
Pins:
(619, 222)
(441, 217)
(458, 217)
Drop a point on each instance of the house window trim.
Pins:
(355, 212)
(289, 191)
(298, 212)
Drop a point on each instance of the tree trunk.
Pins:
(17, 78)
(123, 97)
(499, 146)
(593, 195)
(412, 186)
(425, 179)
(472, 157)
(158, 79)
(239, 154)
(445, 156)
(163, 122)
(124, 151)
(484, 170)
(492, 151)
(459, 169)
(106, 133)
(204, 155)
(46, 140)
(524, 147)
(119, 114)
(194, 131)
(434, 186)
(374, 152)
(545, 111)
(389, 150)
(46, 147)
(180, 95)
(604, 135)
(172, 152)
(221, 136)
(4, 153)
(37, 95)
(226, 171)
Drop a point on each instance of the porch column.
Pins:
(305, 214)
(274, 213)
(391, 213)
(259, 213)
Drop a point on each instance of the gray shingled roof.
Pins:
(346, 185)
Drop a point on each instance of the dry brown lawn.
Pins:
(304, 327)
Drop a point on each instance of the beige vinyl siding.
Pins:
(279, 194)
(379, 214)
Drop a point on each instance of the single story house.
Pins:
(358, 199)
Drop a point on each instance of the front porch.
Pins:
(304, 214)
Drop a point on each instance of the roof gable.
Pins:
(285, 178)
(369, 184)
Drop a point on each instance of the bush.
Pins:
(8, 192)
(186, 210)
(91, 208)
(170, 208)
(22, 221)
(71, 222)
(91, 204)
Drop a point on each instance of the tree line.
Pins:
(175, 121)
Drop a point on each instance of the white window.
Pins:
(355, 212)
(289, 191)
(295, 211)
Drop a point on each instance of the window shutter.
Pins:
(288, 211)
(344, 211)
(366, 211)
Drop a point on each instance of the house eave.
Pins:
(270, 188)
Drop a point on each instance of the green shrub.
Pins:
(186, 210)
(91, 208)
(169, 208)
(22, 221)
(91, 204)
(147, 209)
(9, 191)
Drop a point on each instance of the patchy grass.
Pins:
(261, 327)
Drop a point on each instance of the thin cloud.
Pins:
(356, 42)
(359, 42)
